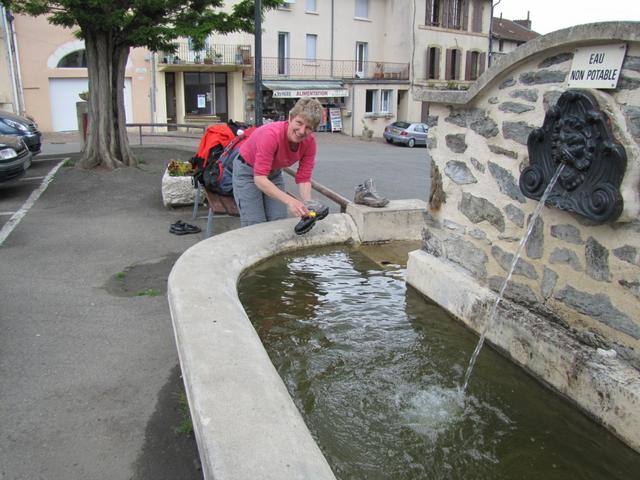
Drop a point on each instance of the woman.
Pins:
(258, 182)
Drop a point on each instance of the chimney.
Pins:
(524, 23)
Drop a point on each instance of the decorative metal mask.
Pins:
(577, 134)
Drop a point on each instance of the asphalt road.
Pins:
(89, 375)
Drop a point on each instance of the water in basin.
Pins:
(376, 371)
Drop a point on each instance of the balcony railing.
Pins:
(213, 54)
(301, 68)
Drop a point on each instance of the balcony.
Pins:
(301, 68)
(219, 55)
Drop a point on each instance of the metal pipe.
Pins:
(9, 46)
(490, 55)
(332, 31)
(21, 104)
(258, 63)
(330, 194)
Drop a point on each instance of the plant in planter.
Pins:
(179, 169)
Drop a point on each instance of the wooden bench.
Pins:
(218, 204)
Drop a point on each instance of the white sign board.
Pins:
(336, 119)
(597, 66)
(202, 101)
(340, 92)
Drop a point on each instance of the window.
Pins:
(385, 101)
(433, 63)
(361, 59)
(456, 14)
(283, 53)
(473, 66)
(501, 46)
(205, 93)
(311, 6)
(371, 101)
(312, 42)
(452, 71)
(434, 12)
(77, 59)
(362, 8)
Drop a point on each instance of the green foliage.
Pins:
(153, 24)
(149, 292)
(179, 169)
(185, 426)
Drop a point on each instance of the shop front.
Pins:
(280, 97)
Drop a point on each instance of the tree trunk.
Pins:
(107, 143)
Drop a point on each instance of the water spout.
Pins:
(516, 257)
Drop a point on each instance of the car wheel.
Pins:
(411, 143)
(389, 140)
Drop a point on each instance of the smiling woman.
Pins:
(258, 183)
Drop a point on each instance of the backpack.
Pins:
(217, 174)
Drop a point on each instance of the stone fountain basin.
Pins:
(245, 422)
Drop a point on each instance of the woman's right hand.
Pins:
(297, 208)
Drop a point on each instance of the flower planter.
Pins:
(177, 191)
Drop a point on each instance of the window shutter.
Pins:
(458, 63)
(447, 72)
(446, 6)
(482, 62)
(427, 63)
(437, 60)
(465, 15)
(478, 9)
(467, 67)
(428, 13)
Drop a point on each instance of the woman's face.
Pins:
(298, 130)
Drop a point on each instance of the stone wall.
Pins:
(584, 277)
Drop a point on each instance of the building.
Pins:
(507, 35)
(361, 58)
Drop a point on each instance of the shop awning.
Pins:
(297, 89)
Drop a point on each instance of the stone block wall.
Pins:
(584, 277)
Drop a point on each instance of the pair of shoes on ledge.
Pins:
(366, 194)
(181, 228)
(317, 211)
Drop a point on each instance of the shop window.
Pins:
(77, 59)
(385, 101)
(362, 9)
(371, 101)
(205, 93)
(312, 45)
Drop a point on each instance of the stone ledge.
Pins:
(607, 389)
(398, 220)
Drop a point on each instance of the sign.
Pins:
(336, 119)
(597, 66)
(202, 101)
(340, 92)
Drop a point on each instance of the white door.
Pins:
(64, 95)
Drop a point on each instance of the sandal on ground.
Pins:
(180, 228)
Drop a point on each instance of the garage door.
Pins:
(64, 95)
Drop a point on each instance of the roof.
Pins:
(510, 30)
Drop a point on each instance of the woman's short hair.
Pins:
(308, 108)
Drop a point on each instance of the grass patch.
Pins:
(185, 427)
(69, 162)
(149, 292)
(121, 275)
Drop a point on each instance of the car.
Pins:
(407, 133)
(23, 127)
(15, 157)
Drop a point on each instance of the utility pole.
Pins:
(258, 63)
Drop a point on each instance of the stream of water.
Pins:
(516, 257)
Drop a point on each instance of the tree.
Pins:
(110, 29)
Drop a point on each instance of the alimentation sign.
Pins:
(310, 93)
(597, 66)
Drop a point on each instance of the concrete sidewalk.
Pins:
(88, 365)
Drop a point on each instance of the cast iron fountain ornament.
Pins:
(577, 134)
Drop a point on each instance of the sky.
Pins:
(550, 15)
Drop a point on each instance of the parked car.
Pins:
(15, 157)
(409, 134)
(25, 128)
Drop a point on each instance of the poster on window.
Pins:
(202, 101)
(336, 119)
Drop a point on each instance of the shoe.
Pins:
(366, 194)
(317, 211)
(181, 228)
